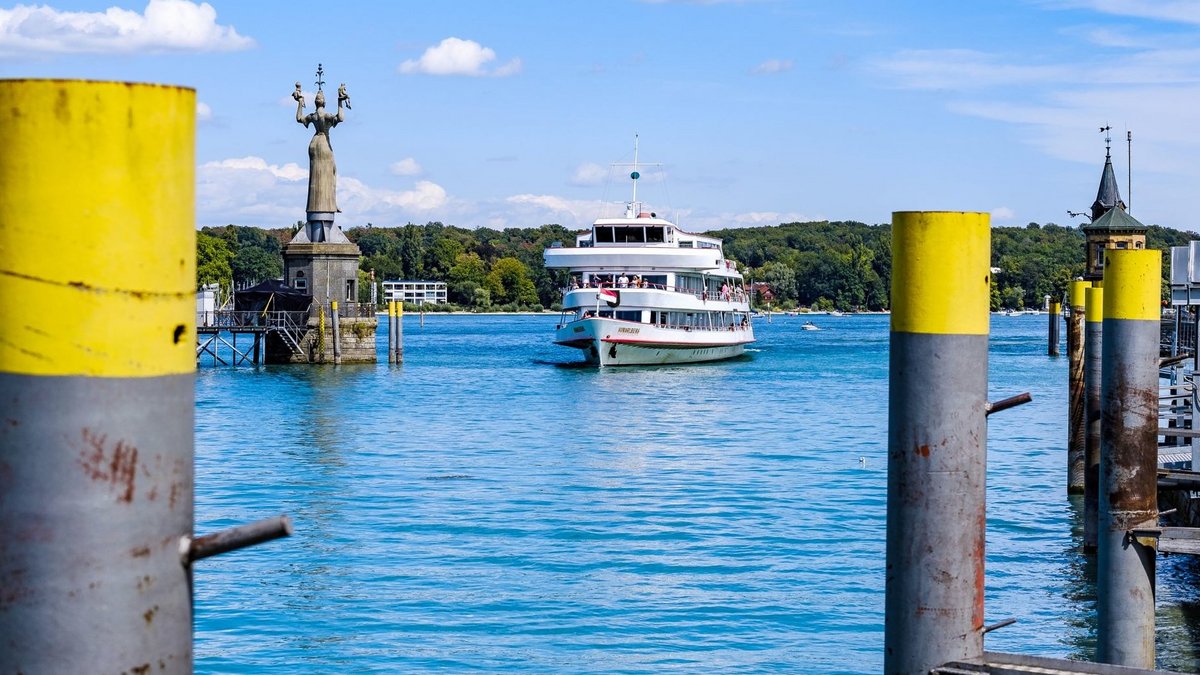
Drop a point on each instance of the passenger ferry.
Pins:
(644, 292)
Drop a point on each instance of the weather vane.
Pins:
(1107, 139)
(320, 73)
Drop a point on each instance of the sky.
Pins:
(752, 112)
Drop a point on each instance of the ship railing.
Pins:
(732, 295)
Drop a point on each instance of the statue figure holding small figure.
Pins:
(322, 172)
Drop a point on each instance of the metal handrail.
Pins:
(734, 295)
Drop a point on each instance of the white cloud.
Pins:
(589, 174)
(454, 56)
(773, 66)
(406, 167)
(966, 69)
(203, 112)
(290, 171)
(1003, 214)
(1182, 11)
(165, 25)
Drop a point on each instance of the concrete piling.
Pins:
(937, 440)
(1092, 359)
(1128, 457)
(1076, 422)
(97, 361)
(1054, 312)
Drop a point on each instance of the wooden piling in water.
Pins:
(1076, 422)
(1092, 360)
(1128, 457)
(937, 440)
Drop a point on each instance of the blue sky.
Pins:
(510, 114)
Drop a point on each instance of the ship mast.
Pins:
(635, 175)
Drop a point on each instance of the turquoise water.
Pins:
(482, 509)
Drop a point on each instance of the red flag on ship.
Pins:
(611, 296)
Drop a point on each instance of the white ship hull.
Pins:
(611, 342)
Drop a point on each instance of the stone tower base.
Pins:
(358, 343)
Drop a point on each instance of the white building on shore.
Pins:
(415, 292)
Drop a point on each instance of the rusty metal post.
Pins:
(1076, 422)
(1092, 359)
(97, 201)
(937, 440)
(1055, 314)
(1128, 457)
(337, 333)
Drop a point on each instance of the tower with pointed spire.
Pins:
(1111, 225)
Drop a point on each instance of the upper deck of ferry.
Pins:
(642, 241)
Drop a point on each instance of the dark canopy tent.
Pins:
(271, 296)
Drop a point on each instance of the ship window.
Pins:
(630, 316)
(685, 244)
(655, 280)
(604, 235)
(654, 235)
(629, 235)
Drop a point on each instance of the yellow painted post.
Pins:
(391, 347)
(97, 361)
(1076, 423)
(1054, 310)
(1128, 458)
(1092, 359)
(337, 333)
(399, 331)
(937, 440)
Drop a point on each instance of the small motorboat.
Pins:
(808, 325)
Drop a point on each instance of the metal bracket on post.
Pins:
(234, 538)
(1006, 403)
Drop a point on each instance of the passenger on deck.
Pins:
(623, 281)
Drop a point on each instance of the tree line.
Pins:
(843, 265)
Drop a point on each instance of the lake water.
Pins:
(482, 509)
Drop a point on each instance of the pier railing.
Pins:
(242, 319)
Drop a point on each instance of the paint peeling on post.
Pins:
(97, 201)
(937, 438)
(1128, 457)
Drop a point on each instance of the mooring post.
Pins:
(337, 333)
(1076, 422)
(1092, 358)
(391, 346)
(1055, 314)
(399, 331)
(937, 440)
(1128, 457)
(96, 450)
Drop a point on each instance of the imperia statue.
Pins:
(322, 172)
